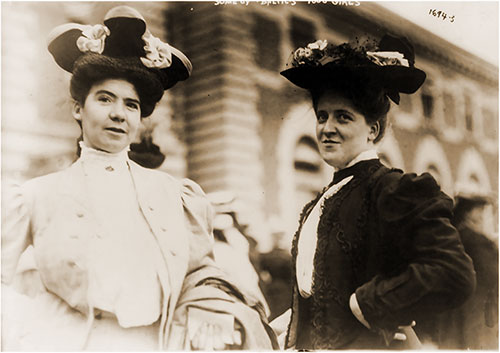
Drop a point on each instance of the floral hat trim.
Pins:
(387, 58)
(158, 53)
(320, 53)
(92, 38)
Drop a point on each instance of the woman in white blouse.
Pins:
(122, 255)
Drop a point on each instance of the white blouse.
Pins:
(123, 271)
(308, 237)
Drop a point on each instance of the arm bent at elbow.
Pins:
(428, 270)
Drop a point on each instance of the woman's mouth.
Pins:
(330, 142)
(116, 130)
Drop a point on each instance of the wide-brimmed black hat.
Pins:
(391, 65)
(123, 41)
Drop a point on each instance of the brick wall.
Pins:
(219, 101)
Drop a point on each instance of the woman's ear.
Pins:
(76, 111)
(374, 131)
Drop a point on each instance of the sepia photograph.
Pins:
(249, 175)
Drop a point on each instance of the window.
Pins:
(427, 98)
(308, 172)
(406, 103)
(490, 123)
(433, 170)
(267, 36)
(449, 110)
(302, 33)
(427, 105)
(474, 180)
(468, 113)
(307, 158)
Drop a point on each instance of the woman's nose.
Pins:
(330, 126)
(117, 112)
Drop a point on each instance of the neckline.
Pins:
(361, 168)
(91, 154)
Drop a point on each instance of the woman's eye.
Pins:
(322, 116)
(133, 106)
(344, 117)
(103, 99)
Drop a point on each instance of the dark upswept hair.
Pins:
(369, 98)
(94, 68)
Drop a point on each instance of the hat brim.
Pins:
(393, 78)
(62, 45)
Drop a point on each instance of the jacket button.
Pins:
(163, 229)
(150, 208)
(79, 215)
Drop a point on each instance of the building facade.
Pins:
(236, 125)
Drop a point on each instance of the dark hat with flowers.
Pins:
(122, 47)
(391, 65)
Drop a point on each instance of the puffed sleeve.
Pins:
(204, 274)
(199, 215)
(431, 271)
(202, 265)
(16, 235)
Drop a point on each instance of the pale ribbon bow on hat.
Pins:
(387, 58)
(92, 39)
(158, 53)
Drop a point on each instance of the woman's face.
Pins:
(341, 130)
(110, 115)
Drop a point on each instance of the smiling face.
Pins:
(110, 115)
(341, 130)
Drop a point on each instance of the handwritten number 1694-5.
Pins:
(441, 14)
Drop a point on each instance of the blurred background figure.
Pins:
(146, 152)
(474, 325)
(275, 273)
(235, 249)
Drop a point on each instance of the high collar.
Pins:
(93, 158)
(89, 153)
(358, 166)
(363, 156)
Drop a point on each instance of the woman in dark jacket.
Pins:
(375, 251)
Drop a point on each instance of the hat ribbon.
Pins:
(387, 58)
(92, 39)
(158, 53)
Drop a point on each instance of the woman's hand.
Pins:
(210, 331)
(406, 333)
(210, 337)
(280, 324)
